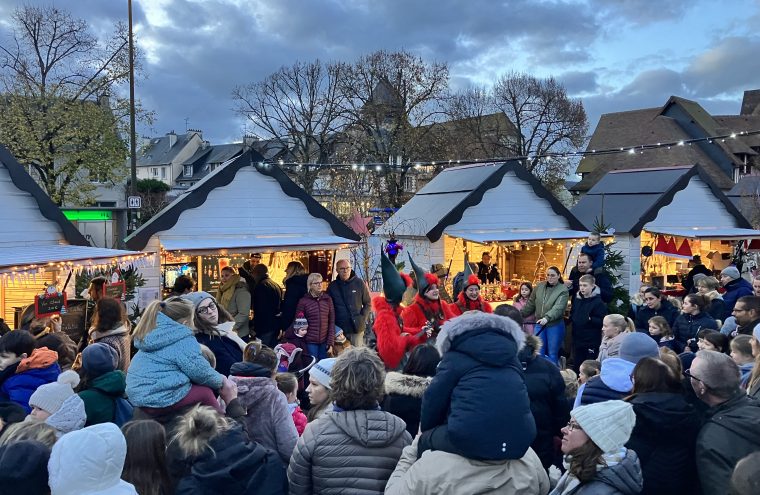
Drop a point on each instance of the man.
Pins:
(732, 427)
(352, 303)
(265, 302)
(696, 267)
(487, 273)
(583, 267)
(246, 271)
(735, 286)
(747, 314)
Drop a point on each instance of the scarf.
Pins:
(227, 290)
(433, 311)
(464, 303)
(568, 483)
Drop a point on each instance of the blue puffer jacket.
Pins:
(168, 361)
(478, 393)
(612, 383)
(687, 326)
(19, 387)
(734, 290)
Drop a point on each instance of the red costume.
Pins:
(464, 303)
(392, 341)
(424, 310)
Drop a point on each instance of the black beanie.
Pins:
(23, 468)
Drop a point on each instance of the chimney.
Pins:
(248, 140)
(172, 138)
(751, 102)
(196, 131)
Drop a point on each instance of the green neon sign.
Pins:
(87, 215)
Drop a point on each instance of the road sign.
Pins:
(134, 202)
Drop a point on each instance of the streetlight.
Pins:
(132, 137)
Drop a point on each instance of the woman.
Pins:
(210, 454)
(548, 303)
(145, 465)
(295, 283)
(355, 447)
(110, 326)
(319, 311)
(521, 299)
(741, 353)
(319, 389)
(655, 304)
(595, 455)
(708, 287)
(213, 327)
(427, 310)
(233, 296)
(753, 386)
(665, 432)
(469, 299)
(403, 391)
(692, 319)
(637, 301)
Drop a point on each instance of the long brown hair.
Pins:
(200, 325)
(583, 461)
(145, 464)
(109, 313)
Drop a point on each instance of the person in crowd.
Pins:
(747, 314)
(233, 295)
(30, 430)
(670, 358)
(666, 430)
(214, 328)
(470, 299)
(355, 433)
(583, 267)
(521, 299)
(341, 343)
(168, 372)
(182, 285)
(4, 328)
(296, 287)
(741, 353)
(656, 304)
(756, 285)
(23, 367)
(403, 391)
(266, 299)
(753, 386)
(288, 385)
(708, 287)
(47, 333)
(692, 319)
(319, 311)
(487, 273)
(89, 462)
(320, 388)
(594, 443)
(442, 273)
(145, 464)
(587, 315)
(614, 329)
(546, 390)
(637, 301)
(350, 296)
(571, 380)
(457, 283)
(548, 303)
(10, 413)
(732, 427)
(95, 291)
(427, 310)
(23, 468)
(268, 421)
(712, 340)
(210, 454)
(104, 385)
(57, 405)
(662, 333)
(246, 271)
(594, 249)
(588, 370)
(735, 286)
(745, 479)
(110, 326)
(614, 379)
(479, 371)
(696, 267)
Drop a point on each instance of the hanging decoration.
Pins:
(672, 249)
(685, 250)
(661, 246)
(49, 303)
(393, 248)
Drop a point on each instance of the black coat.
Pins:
(602, 281)
(352, 303)
(295, 289)
(665, 437)
(687, 326)
(226, 351)
(688, 282)
(265, 302)
(403, 398)
(587, 315)
(717, 308)
(667, 311)
(548, 403)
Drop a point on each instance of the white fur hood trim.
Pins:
(475, 320)
(401, 384)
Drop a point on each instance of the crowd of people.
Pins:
(446, 397)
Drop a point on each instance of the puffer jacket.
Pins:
(118, 338)
(167, 363)
(226, 350)
(547, 302)
(442, 473)
(478, 399)
(347, 452)
(320, 314)
(687, 326)
(623, 478)
(666, 310)
(403, 398)
(734, 290)
(352, 303)
(267, 421)
(100, 397)
(38, 369)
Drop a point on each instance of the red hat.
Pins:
(431, 279)
(472, 280)
(406, 278)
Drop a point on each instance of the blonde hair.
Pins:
(661, 323)
(670, 358)
(710, 283)
(176, 308)
(314, 277)
(571, 382)
(196, 428)
(29, 429)
(620, 322)
(208, 355)
(294, 268)
(676, 302)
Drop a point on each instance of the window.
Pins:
(163, 172)
(154, 171)
(188, 170)
(410, 183)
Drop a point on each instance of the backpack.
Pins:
(122, 411)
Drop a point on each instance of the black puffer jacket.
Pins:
(587, 316)
(664, 437)
(687, 326)
(352, 303)
(546, 390)
(295, 289)
(667, 311)
(403, 398)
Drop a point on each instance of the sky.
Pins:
(615, 55)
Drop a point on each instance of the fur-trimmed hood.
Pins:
(379, 303)
(411, 385)
(471, 321)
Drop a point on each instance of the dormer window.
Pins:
(188, 170)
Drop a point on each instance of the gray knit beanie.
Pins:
(50, 396)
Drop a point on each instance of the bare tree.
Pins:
(301, 108)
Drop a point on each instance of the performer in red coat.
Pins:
(427, 310)
(469, 299)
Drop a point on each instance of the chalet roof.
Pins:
(204, 157)
(629, 199)
(159, 151)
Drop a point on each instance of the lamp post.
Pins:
(132, 137)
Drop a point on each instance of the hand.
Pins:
(542, 321)
(429, 331)
(330, 351)
(569, 284)
(229, 390)
(56, 321)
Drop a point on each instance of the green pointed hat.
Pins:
(419, 274)
(393, 285)
(467, 267)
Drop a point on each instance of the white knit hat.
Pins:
(608, 424)
(50, 396)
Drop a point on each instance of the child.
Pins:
(57, 405)
(587, 315)
(662, 333)
(288, 385)
(589, 369)
(521, 299)
(571, 385)
(169, 372)
(103, 390)
(741, 353)
(613, 328)
(296, 334)
(711, 340)
(341, 342)
(595, 249)
(24, 368)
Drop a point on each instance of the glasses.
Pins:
(207, 309)
(572, 425)
(687, 374)
(739, 310)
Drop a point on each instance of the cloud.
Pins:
(731, 66)
(579, 82)
(641, 12)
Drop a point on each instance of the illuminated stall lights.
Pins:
(21, 272)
